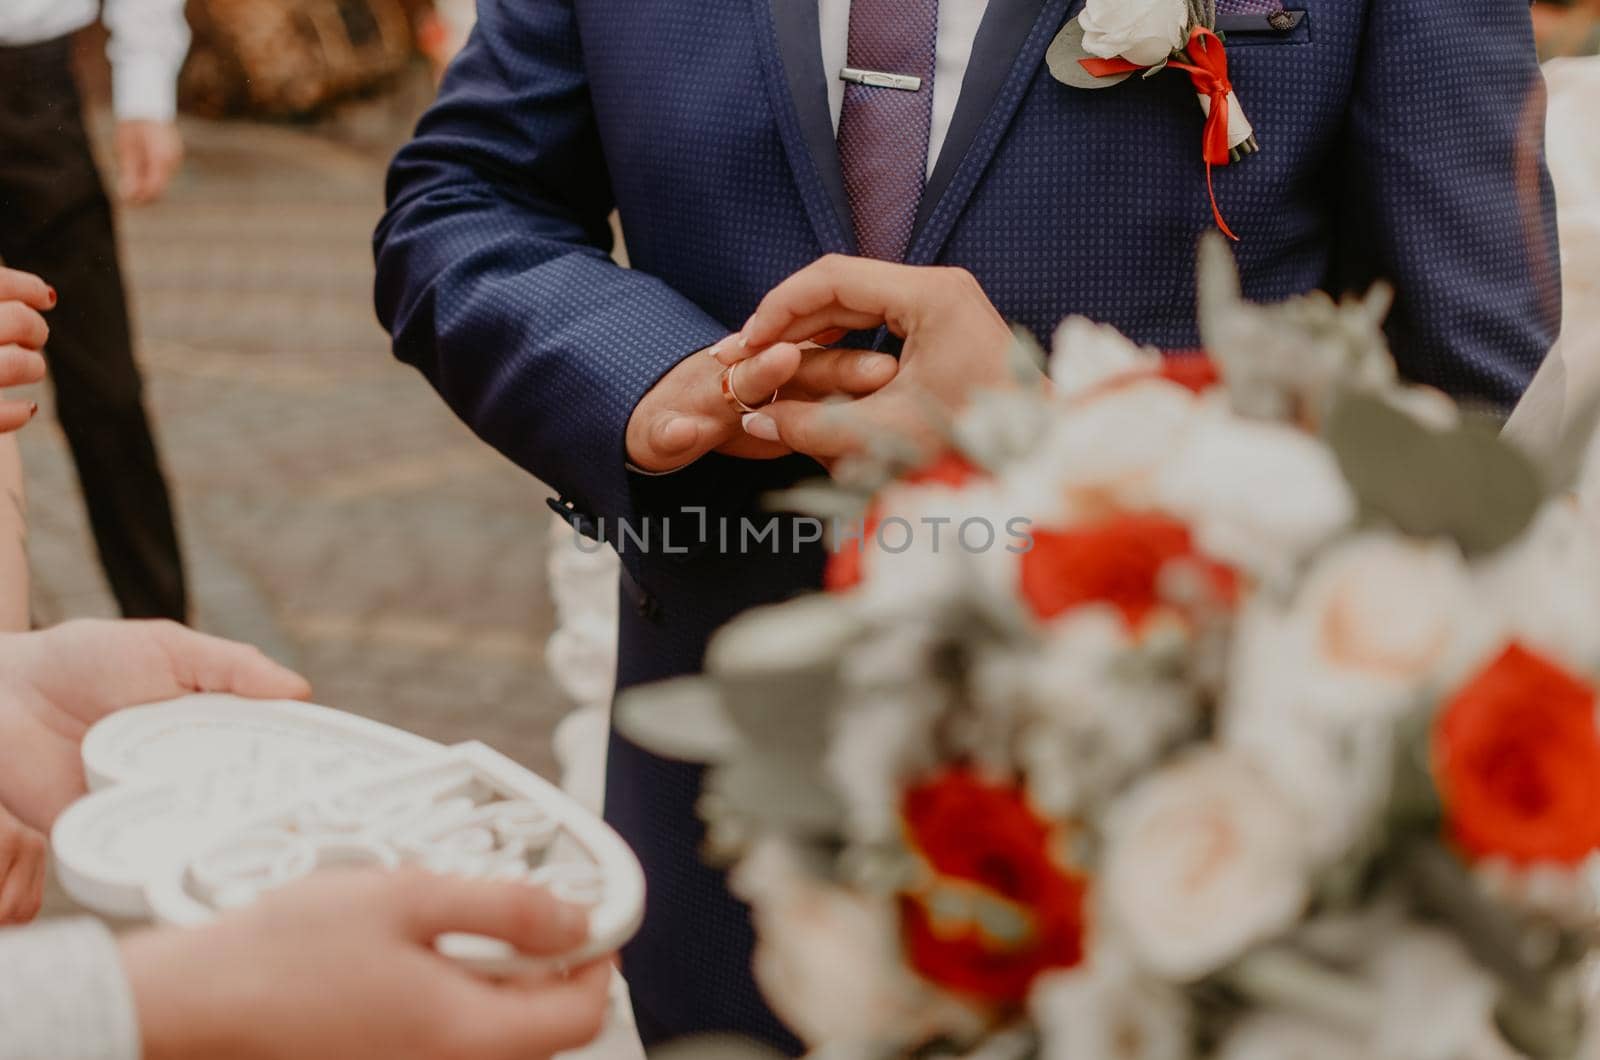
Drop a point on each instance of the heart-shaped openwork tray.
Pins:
(203, 804)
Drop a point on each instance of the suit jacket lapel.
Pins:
(1006, 57)
(789, 37)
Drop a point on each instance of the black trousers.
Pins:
(55, 220)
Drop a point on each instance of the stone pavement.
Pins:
(333, 510)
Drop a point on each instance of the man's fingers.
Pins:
(527, 917)
(756, 380)
(20, 366)
(202, 663)
(824, 373)
(21, 325)
(26, 288)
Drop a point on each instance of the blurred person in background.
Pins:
(1567, 27)
(56, 220)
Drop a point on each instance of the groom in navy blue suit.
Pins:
(1400, 139)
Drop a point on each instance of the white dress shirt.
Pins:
(958, 28)
(149, 39)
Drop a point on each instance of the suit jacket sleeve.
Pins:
(1446, 192)
(494, 274)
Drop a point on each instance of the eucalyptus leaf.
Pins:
(787, 713)
(1063, 60)
(812, 632)
(682, 719)
(776, 792)
(1464, 483)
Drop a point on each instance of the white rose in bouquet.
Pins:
(1143, 32)
(1378, 620)
(1107, 1010)
(1259, 495)
(1204, 858)
(830, 960)
(1090, 460)
(1546, 585)
(1086, 356)
(1335, 778)
(1434, 1003)
(1280, 1036)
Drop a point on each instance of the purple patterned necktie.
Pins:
(883, 131)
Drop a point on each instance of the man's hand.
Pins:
(685, 415)
(342, 967)
(24, 853)
(23, 297)
(148, 156)
(56, 683)
(956, 342)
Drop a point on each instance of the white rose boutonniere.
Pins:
(1111, 40)
(1144, 32)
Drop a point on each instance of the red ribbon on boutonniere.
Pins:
(1207, 67)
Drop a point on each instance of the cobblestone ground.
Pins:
(332, 509)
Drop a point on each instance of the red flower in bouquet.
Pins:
(1517, 757)
(984, 839)
(1117, 561)
(1190, 369)
(846, 566)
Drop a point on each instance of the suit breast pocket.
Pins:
(1279, 27)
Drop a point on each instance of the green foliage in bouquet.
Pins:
(1247, 711)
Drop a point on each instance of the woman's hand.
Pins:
(956, 343)
(23, 857)
(56, 683)
(342, 967)
(23, 298)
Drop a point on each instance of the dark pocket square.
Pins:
(1279, 27)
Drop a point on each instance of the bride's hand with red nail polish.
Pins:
(23, 332)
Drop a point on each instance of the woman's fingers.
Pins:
(843, 292)
(20, 366)
(15, 415)
(21, 325)
(26, 288)
(826, 373)
(22, 854)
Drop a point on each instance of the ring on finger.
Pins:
(731, 394)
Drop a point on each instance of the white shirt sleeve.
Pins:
(149, 39)
(63, 994)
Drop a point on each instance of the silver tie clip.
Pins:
(879, 79)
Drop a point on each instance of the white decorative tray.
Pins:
(204, 803)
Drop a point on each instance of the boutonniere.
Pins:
(1111, 40)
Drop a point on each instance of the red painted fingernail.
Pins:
(52, 295)
(33, 409)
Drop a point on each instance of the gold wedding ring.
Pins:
(732, 397)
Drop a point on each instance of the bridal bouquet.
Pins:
(1235, 706)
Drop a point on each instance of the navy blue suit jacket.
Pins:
(1401, 139)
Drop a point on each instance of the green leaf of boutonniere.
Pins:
(1063, 60)
(1465, 483)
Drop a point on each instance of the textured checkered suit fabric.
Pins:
(1401, 139)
